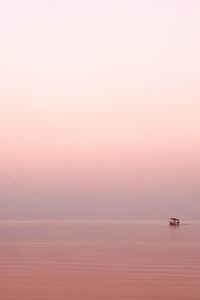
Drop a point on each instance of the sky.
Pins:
(99, 109)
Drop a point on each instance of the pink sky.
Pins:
(99, 108)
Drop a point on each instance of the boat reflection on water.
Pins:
(174, 222)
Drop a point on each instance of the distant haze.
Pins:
(99, 109)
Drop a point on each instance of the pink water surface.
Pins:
(93, 260)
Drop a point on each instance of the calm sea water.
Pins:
(93, 260)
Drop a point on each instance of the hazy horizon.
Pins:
(99, 109)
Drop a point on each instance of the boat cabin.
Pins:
(174, 221)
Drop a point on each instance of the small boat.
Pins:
(174, 222)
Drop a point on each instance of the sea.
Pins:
(99, 260)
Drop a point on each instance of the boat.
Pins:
(174, 222)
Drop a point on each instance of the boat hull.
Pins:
(173, 224)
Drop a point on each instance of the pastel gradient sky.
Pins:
(99, 109)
